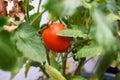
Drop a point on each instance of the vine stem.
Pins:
(65, 59)
(87, 25)
(78, 69)
(27, 11)
(39, 6)
(81, 43)
(48, 57)
(64, 62)
(43, 70)
(36, 18)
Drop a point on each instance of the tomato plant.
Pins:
(80, 29)
(53, 41)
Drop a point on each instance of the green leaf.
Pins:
(106, 38)
(55, 64)
(75, 78)
(26, 4)
(29, 43)
(102, 64)
(118, 3)
(53, 17)
(118, 57)
(62, 7)
(76, 27)
(35, 19)
(31, 7)
(89, 51)
(86, 4)
(8, 52)
(105, 31)
(117, 77)
(72, 33)
(114, 63)
(112, 7)
(114, 17)
(36, 23)
(3, 21)
(80, 16)
(53, 73)
(34, 64)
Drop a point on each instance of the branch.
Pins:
(43, 70)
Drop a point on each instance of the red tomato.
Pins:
(53, 41)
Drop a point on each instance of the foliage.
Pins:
(24, 36)
(92, 25)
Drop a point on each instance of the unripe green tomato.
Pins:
(53, 41)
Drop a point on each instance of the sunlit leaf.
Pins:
(105, 29)
(62, 7)
(113, 16)
(106, 38)
(72, 33)
(89, 51)
(80, 16)
(114, 63)
(112, 7)
(86, 3)
(29, 43)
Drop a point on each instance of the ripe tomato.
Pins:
(53, 41)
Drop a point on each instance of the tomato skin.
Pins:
(53, 41)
